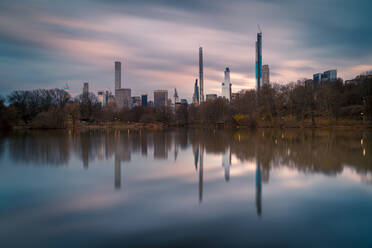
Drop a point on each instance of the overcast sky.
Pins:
(46, 44)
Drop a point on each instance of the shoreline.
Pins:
(161, 126)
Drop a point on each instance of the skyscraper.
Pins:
(161, 98)
(330, 75)
(195, 98)
(123, 98)
(201, 81)
(259, 60)
(175, 95)
(226, 85)
(86, 88)
(266, 74)
(144, 100)
(117, 75)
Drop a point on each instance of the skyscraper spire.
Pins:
(175, 96)
(201, 81)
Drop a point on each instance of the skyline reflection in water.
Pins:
(112, 169)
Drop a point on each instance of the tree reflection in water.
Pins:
(309, 151)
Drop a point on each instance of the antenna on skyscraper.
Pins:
(258, 26)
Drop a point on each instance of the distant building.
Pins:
(144, 100)
(195, 97)
(226, 85)
(136, 101)
(201, 78)
(86, 88)
(329, 76)
(123, 97)
(317, 79)
(211, 97)
(259, 60)
(175, 95)
(101, 97)
(160, 98)
(265, 74)
(117, 75)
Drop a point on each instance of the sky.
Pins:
(46, 44)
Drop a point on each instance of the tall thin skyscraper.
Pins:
(226, 85)
(201, 81)
(259, 60)
(117, 75)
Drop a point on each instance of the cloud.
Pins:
(46, 44)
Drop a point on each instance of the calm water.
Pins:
(191, 188)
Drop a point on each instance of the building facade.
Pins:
(226, 85)
(265, 74)
(86, 88)
(160, 98)
(144, 100)
(123, 98)
(211, 97)
(330, 76)
(259, 60)
(117, 75)
(101, 97)
(201, 79)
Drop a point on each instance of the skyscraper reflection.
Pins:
(196, 156)
(201, 174)
(258, 188)
(226, 163)
(117, 173)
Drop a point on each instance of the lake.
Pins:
(186, 188)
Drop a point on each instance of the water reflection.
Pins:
(309, 151)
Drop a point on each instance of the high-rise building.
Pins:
(201, 79)
(226, 85)
(161, 98)
(265, 74)
(317, 79)
(123, 98)
(330, 75)
(195, 97)
(144, 100)
(101, 97)
(211, 97)
(86, 88)
(117, 75)
(175, 95)
(259, 60)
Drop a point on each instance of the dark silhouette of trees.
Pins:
(274, 105)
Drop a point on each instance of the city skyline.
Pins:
(46, 45)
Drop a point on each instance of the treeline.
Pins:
(273, 104)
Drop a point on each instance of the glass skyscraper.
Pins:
(259, 60)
